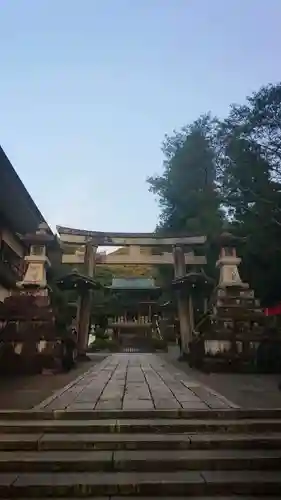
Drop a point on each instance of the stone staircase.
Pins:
(207, 455)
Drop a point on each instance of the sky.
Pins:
(89, 88)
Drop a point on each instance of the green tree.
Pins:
(186, 189)
(234, 164)
(259, 122)
(249, 166)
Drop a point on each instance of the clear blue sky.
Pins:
(88, 89)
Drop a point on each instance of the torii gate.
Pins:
(174, 250)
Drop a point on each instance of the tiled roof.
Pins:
(15, 201)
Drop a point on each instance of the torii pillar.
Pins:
(183, 305)
(85, 301)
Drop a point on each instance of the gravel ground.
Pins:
(22, 393)
(245, 390)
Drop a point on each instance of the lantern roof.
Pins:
(75, 280)
(192, 280)
(228, 239)
(42, 236)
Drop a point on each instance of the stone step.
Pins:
(189, 498)
(222, 414)
(178, 483)
(198, 426)
(112, 441)
(149, 426)
(171, 498)
(146, 461)
(197, 460)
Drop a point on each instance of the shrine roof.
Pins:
(133, 284)
(16, 204)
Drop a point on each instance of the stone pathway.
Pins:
(135, 382)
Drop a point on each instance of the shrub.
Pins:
(103, 344)
(99, 345)
(112, 345)
(159, 344)
(100, 333)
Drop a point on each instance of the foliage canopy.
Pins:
(219, 173)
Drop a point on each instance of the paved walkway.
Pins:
(135, 382)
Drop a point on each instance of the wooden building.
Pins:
(136, 300)
(133, 307)
(18, 215)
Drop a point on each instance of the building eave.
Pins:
(16, 204)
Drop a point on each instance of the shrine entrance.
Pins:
(135, 343)
(177, 251)
(135, 307)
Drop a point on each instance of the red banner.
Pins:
(273, 311)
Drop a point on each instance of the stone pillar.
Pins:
(85, 301)
(183, 306)
(205, 305)
(149, 313)
(191, 314)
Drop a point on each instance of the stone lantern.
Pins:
(228, 263)
(37, 261)
(31, 332)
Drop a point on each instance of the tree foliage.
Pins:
(187, 190)
(229, 172)
(249, 166)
